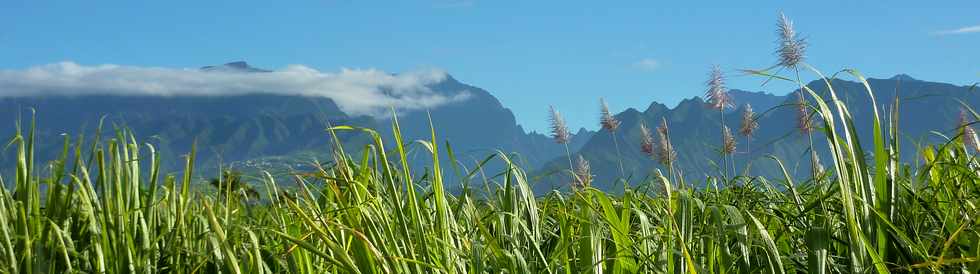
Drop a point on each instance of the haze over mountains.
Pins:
(246, 127)
(243, 127)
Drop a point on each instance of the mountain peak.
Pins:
(238, 64)
(902, 77)
(656, 107)
(235, 66)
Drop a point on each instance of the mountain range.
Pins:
(928, 113)
(269, 130)
(274, 131)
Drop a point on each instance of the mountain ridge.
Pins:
(924, 106)
(241, 129)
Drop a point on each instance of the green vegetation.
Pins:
(104, 207)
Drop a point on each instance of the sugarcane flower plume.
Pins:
(969, 134)
(607, 120)
(728, 142)
(583, 172)
(803, 121)
(665, 153)
(646, 140)
(717, 95)
(970, 139)
(559, 130)
(817, 164)
(792, 49)
(749, 123)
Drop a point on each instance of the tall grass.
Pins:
(104, 207)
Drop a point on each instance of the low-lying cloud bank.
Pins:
(356, 91)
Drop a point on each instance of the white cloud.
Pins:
(356, 91)
(963, 30)
(647, 64)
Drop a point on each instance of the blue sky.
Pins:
(529, 54)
